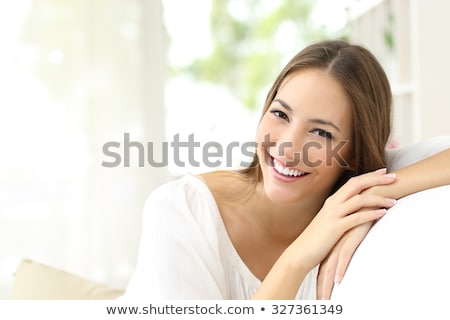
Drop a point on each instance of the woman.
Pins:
(262, 232)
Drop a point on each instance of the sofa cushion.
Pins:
(37, 281)
(403, 263)
(407, 155)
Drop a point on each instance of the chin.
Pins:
(279, 195)
(295, 193)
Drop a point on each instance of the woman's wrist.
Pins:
(284, 279)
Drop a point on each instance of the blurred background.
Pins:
(75, 75)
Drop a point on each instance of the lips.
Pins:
(285, 171)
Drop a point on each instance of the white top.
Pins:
(186, 253)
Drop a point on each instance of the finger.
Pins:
(352, 241)
(360, 201)
(359, 183)
(325, 286)
(325, 279)
(361, 217)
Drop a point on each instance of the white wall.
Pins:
(433, 66)
(417, 66)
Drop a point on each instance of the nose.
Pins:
(290, 147)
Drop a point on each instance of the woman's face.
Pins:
(304, 137)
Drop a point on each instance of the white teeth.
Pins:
(286, 171)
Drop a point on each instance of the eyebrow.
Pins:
(324, 122)
(315, 120)
(284, 104)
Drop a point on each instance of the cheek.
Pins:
(261, 137)
(327, 155)
(315, 156)
(266, 132)
(261, 130)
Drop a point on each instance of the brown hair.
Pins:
(367, 86)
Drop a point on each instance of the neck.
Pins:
(283, 221)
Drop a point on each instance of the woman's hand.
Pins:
(334, 266)
(346, 209)
(343, 211)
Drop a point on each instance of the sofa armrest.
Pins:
(37, 281)
(407, 155)
(403, 263)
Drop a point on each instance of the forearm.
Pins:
(431, 172)
(284, 279)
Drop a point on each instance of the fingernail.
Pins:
(381, 211)
(382, 170)
(337, 280)
(390, 175)
(390, 201)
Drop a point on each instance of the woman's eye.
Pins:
(322, 133)
(280, 114)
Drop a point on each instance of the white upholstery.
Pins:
(407, 155)
(402, 268)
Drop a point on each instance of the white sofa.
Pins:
(402, 268)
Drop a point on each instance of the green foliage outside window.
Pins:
(245, 56)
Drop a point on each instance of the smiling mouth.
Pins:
(288, 172)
